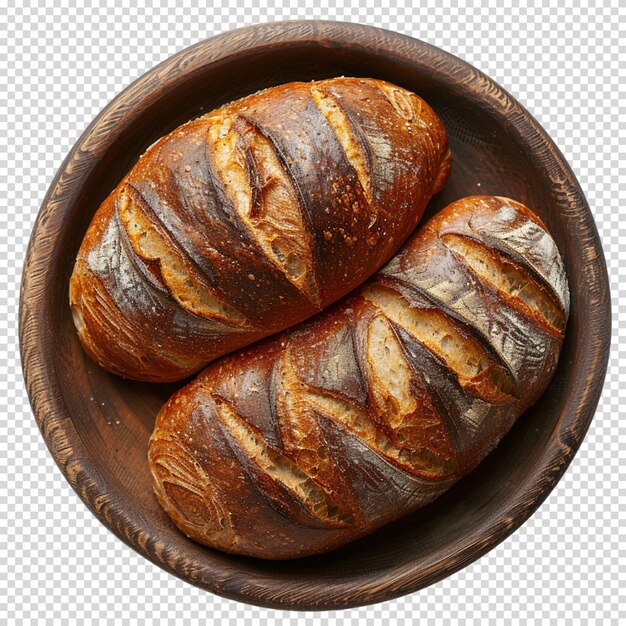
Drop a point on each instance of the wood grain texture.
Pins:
(97, 425)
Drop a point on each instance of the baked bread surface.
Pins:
(325, 432)
(251, 219)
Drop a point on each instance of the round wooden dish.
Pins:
(97, 425)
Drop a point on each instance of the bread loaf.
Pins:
(250, 219)
(325, 432)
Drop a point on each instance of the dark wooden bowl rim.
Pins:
(64, 441)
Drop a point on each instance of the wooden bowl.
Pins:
(97, 425)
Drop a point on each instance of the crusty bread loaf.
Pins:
(368, 411)
(250, 219)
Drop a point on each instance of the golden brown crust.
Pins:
(250, 219)
(374, 407)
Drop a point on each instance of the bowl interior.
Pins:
(113, 418)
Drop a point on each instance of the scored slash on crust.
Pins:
(182, 279)
(264, 198)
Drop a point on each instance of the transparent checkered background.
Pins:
(60, 66)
